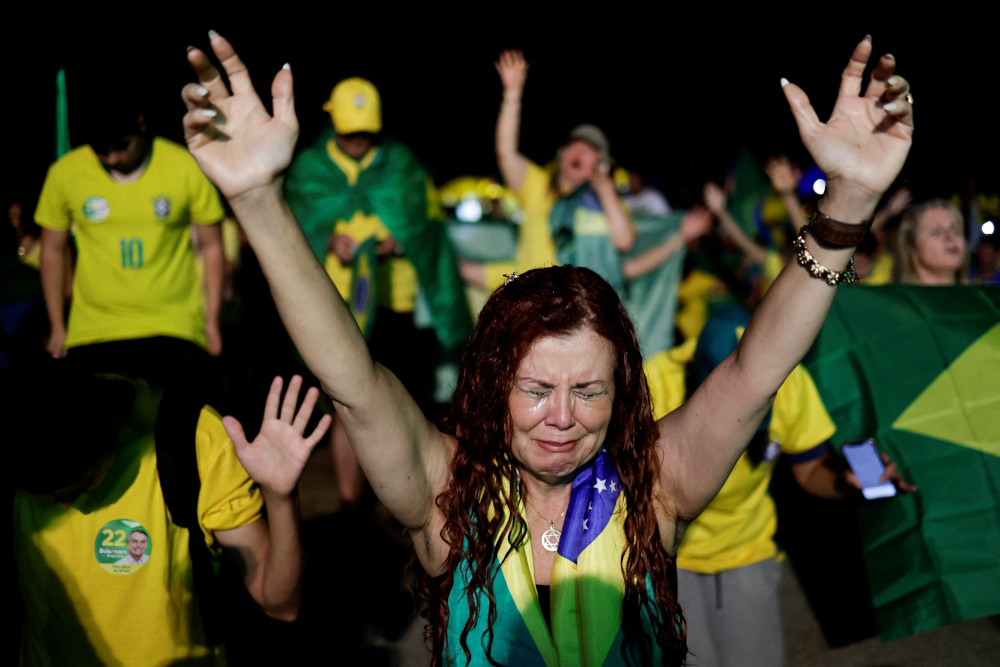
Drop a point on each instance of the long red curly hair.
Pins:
(549, 302)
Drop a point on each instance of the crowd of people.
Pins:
(557, 517)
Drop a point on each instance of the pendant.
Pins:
(550, 538)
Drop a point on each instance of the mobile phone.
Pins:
(867, 465)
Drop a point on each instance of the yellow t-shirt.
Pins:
(135, 275)
(395, 277)
(737, 527)
(83, 605)
(535, 246)
(771, 269)
(881, 273)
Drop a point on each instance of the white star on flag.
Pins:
(612, 485)
(600, 486)
(590, 506)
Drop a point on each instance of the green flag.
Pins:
(652, 298)
(918, 368)
(62, 116)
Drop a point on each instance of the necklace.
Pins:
(550, 538)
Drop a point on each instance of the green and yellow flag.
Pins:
(919, 369)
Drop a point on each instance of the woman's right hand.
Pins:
(513, 70)
(236, 142)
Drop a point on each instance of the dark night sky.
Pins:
(676, 101)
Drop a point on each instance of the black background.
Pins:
(677, 96)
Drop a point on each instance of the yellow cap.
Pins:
(354, 106)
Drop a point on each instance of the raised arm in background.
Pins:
(784, 180)
(694, 225)
(620, 228)
(715, 200)
(269, 550)
(513, 71)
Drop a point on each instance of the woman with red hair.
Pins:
(549, 503)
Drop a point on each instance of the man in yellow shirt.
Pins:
(130, 201)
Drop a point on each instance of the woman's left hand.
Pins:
(863, 145)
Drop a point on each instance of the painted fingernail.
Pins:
(893, 80)
(287, 66)
(212, 33)
(891, 106)
(190, 48)
(784, 82)
(889, 55)
(868, 37)
(209, 113)
(201, 90)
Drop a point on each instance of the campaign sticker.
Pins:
(96, 209)
(122, 546)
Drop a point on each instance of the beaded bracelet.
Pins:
(806, 260)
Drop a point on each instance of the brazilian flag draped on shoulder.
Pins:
(394, 188)
(651, 299)
(918, 368)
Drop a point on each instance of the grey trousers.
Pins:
(733, 617)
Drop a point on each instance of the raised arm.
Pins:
(861, 149)
(269, 550)
(513, 70)
(715, 199)
(620, 228)
(244, 151)
(894, 205)
(694, 225)
(784, 180)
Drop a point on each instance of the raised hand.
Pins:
(898, 202)
(513, 69)
(696, 224)
(715, 198)
(782, 176)
(275, 459)
(863, 145)
(237, 143)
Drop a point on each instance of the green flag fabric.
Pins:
(393, 187)
(651, 299)
(918, 369)
(62, 116)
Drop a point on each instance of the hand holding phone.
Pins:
(868, 467)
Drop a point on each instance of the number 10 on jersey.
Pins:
(131, 253)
